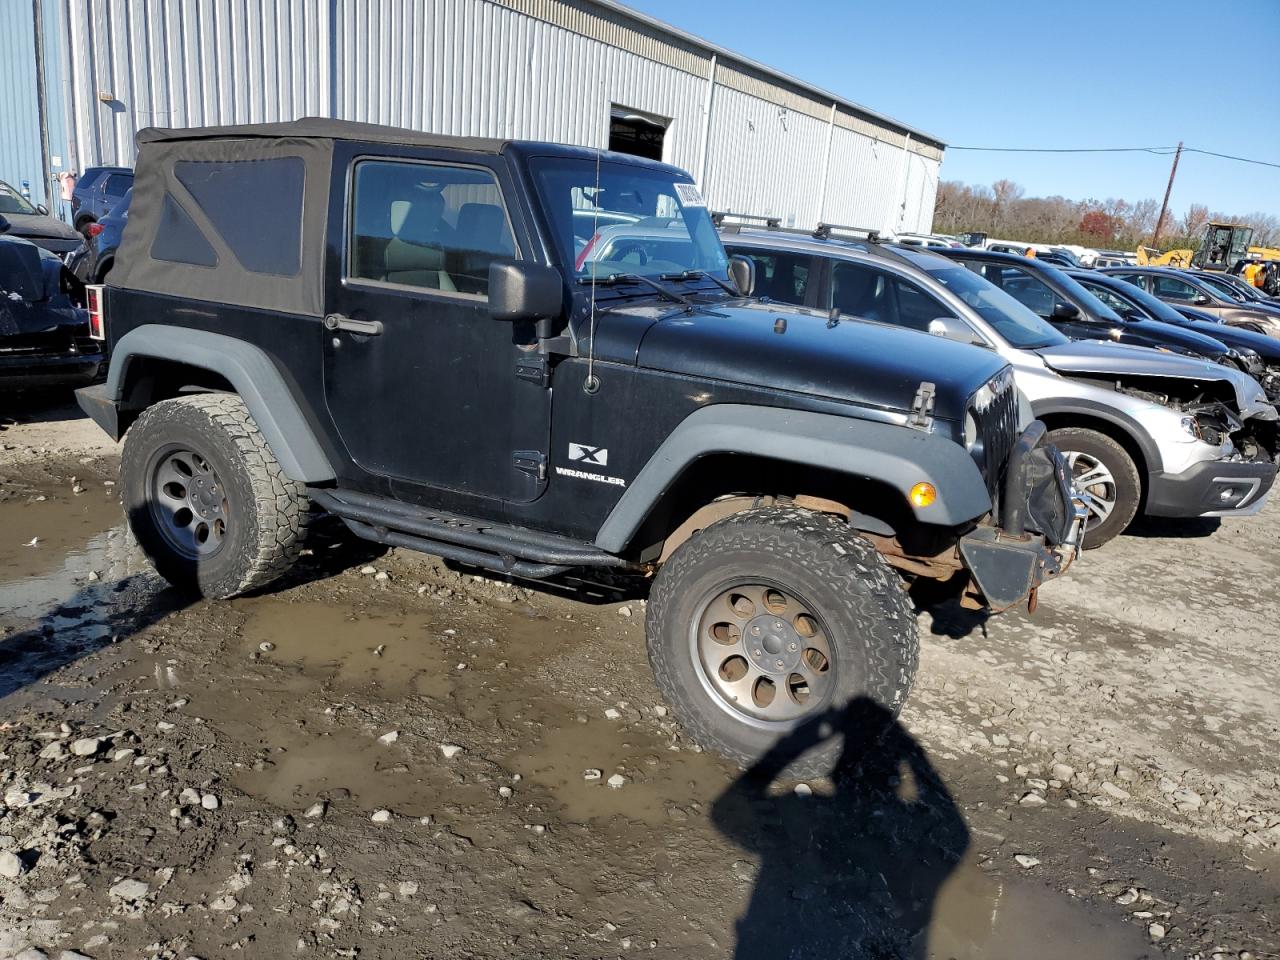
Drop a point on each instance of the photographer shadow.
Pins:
(853, 873)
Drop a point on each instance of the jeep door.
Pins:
(421, 382)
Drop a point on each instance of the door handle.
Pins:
(369, 328)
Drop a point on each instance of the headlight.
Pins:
(970, 431)
(1190, 426)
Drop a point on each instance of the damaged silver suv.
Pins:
(1143, 430)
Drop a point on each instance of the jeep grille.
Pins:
(995, 412)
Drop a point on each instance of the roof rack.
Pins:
(827, 230)
(770, 223)
(823, 231)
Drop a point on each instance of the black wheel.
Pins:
(207, 500)
(1107, 479)
(772, 618)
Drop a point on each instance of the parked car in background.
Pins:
(1165, 434)
(33, 222)
(97, 191)
(44, 334)
(1005, 246)
(925, 240)
(1182, 289)
(1115, 258)
(1256, 353)
(1058, 259)
(94, 258)
(1235, 287)
(1058, 298)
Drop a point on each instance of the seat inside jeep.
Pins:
(437, 234)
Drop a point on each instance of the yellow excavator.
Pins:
(1151, 257)
(1224, 247)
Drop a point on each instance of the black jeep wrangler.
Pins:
(532, 358)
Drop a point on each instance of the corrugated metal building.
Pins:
(588, 72)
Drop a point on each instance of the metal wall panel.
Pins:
(141, 63)
(19, 117)
(537, 69)
(19, 122)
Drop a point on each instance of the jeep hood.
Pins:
(1115, 361)
(797, 350)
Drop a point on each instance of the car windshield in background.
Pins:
(1013, 321)
(11, 201)
(618, 219)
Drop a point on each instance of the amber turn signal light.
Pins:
(923, 494)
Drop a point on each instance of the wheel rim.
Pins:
(188, 503)
(763, 653)
(1095, 487)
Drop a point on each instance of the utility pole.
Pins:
(42, 116)
(1164, 207)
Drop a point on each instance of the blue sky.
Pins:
(1042, 74)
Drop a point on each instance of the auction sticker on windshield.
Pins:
(689, 195)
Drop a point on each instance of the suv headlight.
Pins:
(1190, 426)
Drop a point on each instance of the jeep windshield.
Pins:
(617, 220)
(1014, 322)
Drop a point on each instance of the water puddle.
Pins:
(977, 916)
(660, 784)
(65, 584)
(71, 537)
(378, 651)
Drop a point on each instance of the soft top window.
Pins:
(255, 205)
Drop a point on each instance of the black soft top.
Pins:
(238, 214)
(318, 128)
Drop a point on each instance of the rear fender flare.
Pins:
(253, 375)
(896, 455)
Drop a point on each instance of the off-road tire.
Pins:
(1128, 482)
(873, 632)
(268, 511)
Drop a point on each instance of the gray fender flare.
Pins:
(896, 455)
(1099, 411)
(250, 371)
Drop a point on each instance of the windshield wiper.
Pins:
(697, 274)
(612, 279)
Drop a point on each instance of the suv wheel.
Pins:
(1107, 477)
(773, 617)
(207, 500)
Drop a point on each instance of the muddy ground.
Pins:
(386, 757)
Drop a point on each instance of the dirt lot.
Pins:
(385, 757)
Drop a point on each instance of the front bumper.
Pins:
(1213, 488)
(1041, 526)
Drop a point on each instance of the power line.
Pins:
(1227, 156)
(1157, 151)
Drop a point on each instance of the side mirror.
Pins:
(950, 328)
(42, 209)
(525, 291)
(742, 271)
(1064, 311)
(1200, 299)
(4, 223)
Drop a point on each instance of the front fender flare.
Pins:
(896, 455)
(255, 378)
